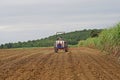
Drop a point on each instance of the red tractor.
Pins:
(60, 44)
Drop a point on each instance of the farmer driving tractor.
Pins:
(60, 44)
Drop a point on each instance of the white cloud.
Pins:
(40, 18)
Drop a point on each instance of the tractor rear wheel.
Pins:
(66, 49)
(56, 50)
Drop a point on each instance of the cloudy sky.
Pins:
(22, 20)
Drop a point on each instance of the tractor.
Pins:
(60, 44)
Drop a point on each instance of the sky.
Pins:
(23, 20)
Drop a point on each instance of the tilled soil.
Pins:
(43, 64)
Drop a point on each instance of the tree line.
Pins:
(72, 38)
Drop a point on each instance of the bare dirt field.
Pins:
(43, 64)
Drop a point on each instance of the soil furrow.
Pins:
(43, 64)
